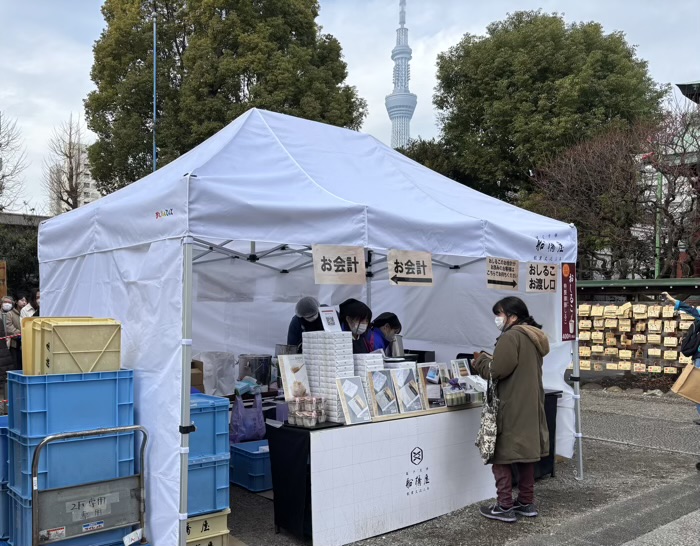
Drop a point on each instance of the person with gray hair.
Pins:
(305, 319)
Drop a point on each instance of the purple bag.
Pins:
(247, 424)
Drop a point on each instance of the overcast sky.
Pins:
(46, 53)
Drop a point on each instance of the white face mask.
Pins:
(358, 328)
(7, 307)
(500, 323)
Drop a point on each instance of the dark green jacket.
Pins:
(516, 363)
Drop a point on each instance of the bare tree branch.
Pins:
(66, 170)
(13, 161)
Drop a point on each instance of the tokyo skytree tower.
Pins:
(401, 103)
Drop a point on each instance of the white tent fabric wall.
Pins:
(244, 308)
(141, 287)
(272, 178)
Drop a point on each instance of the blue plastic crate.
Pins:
(21, 528)
(208, 486)
(210, 416)
(251, 469)
(70, 462)
(4, 513)
(40, 405)
(4, 455)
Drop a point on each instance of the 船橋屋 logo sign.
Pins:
(548, 248)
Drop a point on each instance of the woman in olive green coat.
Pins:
(523, 437)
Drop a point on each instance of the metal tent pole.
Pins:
(576, 377)
(186, 423)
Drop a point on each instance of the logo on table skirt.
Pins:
(417, 456)
(163, 213)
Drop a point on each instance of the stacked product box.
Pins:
(328, 356)
(367, 363)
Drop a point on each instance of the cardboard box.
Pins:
(198, 375)
(688, 384)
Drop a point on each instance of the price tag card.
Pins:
(625, 325)
(685, 359)
(654, 352)
(670, 370)
(610, 311)
(640, 368)
(639, 338)
(584, 351)
(655, 326)
(584, 310)
(655, 369)
(670, 342)
(597, 311)
(598, 349)
(584, 336)
(685, 325)
(668, 311)
(624, 366)
(597, 336)
(654, 311)
(685, 317)
(625, 354)
(611, 366)
(670, 326)
(599, 324)
(584, 324)
(585, 364)
(654, 339)
(611, 351)
(611, 340)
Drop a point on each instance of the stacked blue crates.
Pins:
(208, 476)
(42, 405)
(4, 471)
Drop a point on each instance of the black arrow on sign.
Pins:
(503, 283)
(398, 279)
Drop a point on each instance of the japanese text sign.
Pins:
(542, 277)
(408, 268)
(568, 302)
(339, 264)
(502, 274)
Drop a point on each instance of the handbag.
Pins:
(488, 431)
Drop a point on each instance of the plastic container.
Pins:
(21, 528)
(210, 416)
(70, 462)
(250, 468)
(31, 348)
(40, 405)
(4, 454)
(292, 418)
(4, 513)
(202, 527)
(208, 485)
(216, 539)
(90, 345)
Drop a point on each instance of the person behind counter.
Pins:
(306, 319)
(385, 328)
(522, 435)
(355, 317)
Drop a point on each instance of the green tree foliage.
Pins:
(18, 247)
(216, 59)
(532, 87)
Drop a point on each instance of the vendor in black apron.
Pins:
(306, 319)
(355, 317)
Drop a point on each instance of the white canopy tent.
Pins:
(213, 250)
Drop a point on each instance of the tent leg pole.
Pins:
(186, 381)
(577, 407)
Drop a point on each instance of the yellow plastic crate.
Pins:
(215, 539)
(30, 344)
(201, 527)
(80, 346)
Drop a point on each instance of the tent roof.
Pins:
(276, 178)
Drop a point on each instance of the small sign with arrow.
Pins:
(502, 274)
(409, 268)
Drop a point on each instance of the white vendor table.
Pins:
(371, 479)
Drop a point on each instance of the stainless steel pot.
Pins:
(257, 366)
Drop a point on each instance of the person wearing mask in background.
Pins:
(8, 306)
(16, 343)
(355, 317)
(6, 360)
(679, 305)
(522, 435)
(32, 307)
(385, 328)
(306, 319)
